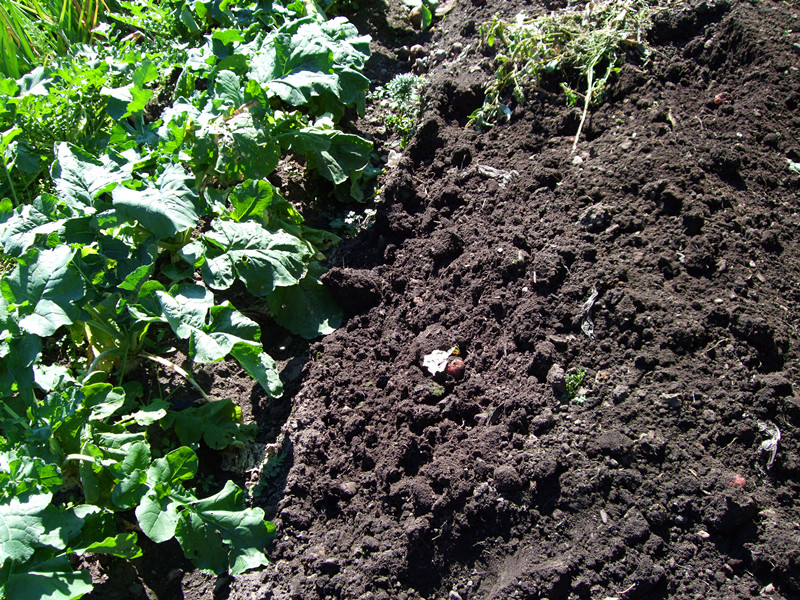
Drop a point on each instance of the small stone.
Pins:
(349, 488)
(620, 393)
(557, 378)
(439, 55)
(594, 218)
(457, 48)
(577, 160)
(507, 479)
(418, 51)
(626, 145)
(415, 17)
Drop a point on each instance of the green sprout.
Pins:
(401, 99)
(574, 381)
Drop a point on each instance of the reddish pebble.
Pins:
(737, 481)
(455, 368)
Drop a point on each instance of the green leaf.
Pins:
(201, 543)
(260, 366)
(335, 154)
(237, 147)
(307, 309)
(166, 208)
(263, 260)
(44, 286)
(212, 330)
(53, 579)
(243, 531)
(133, 483)
(21, 526)
(122, 545)
(157, 516)
(79, 177)
(217, 423)
(250, 199)
(103, 400)
(228, 88)
(179, 465)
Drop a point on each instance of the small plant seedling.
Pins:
(574, 381)
(401, 99)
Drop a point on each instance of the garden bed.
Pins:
(660, 258)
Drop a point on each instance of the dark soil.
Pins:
(662, 258)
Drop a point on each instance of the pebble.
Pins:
(557, 378)
(577, 160)
(418, 51)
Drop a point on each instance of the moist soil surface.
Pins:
(661, 258)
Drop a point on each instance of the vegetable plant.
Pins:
(126, 220)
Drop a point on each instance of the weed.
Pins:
(401, 99)
(436, 390)
(574, 381)
(586, 45)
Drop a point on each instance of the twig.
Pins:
(179, 370)
(586, 102)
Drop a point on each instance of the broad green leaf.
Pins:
(157, 516)
(103, 400)
(165, 208)
(301, 63)
(21, 526)
(178, 465)
(217, 423)
(243, 530)
(335, 154)
(44, 286)
(122, 545)
(201, 543)
(260, 366)
(215, 331)
(133, 477)
(79, 177)
(307, 309)
(237, 147)
(263, 260)
(152, 413)
(228, 88)
(53, 579)
(212, 330)
(21, 230)
(250, 199)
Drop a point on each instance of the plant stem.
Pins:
(11, 185)
(179, 370)
(586, 102)
(98, 358)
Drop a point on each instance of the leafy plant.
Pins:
(401, 100)
(121, 224)
(33, 32)
(580, 47)
(574, 382)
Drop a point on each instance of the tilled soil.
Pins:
(661, 259)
